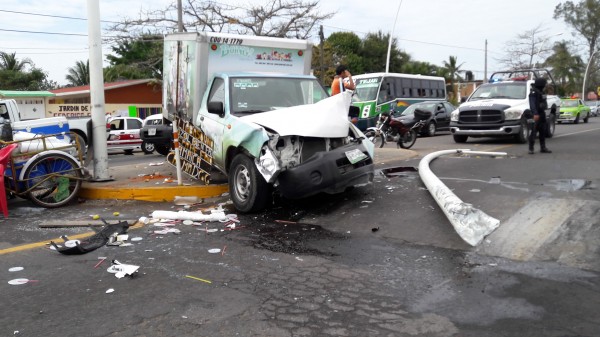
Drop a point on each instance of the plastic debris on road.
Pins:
(121, 270)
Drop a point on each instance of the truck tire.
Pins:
(162, 149)
(248, 189)
(460, 138)
(586, 118)
(147, 147)
(521, 137)
(551, 126)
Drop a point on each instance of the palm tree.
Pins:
(566, 67)
(10, 62)
(79, 74)
(454, 71)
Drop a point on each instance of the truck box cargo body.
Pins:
(191, 59)
(248, 107)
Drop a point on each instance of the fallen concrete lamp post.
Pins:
(470, 223)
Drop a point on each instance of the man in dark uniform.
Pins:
(538, 105)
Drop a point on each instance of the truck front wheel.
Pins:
(248, 189)
(162, 149)
(521, 137)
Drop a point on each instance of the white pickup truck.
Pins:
(9, 112)
(499, 108)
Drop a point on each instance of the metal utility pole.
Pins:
(321, 58)
(485, 63)
(179, 17)
(100, 162)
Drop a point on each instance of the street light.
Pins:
(387, 62)
(540, 49)
(585, 75)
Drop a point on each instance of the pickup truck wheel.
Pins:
(576, 121)
(248, 189)
(587, 116)
(148, 148)
(460, 138)
(163, 149)
(521, 137)
(551, 126)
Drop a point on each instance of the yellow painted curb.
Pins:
(158, 194)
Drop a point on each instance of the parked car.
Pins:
(573, 110)
(440, 115)
(593, 107)
(124, 134)
(156, 135)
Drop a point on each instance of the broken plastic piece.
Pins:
(194, 216)
(120, 269)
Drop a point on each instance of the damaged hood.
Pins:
(325, 119)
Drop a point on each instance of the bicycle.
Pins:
(44, 169)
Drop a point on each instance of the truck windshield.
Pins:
(508, 90)
(366, 89)
(259, 94)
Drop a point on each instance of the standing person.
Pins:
(538, 105)
(342, 80)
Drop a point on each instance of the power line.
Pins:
(34, 32)
(52, 16)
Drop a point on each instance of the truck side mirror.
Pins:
(216, 108)
(463, 99)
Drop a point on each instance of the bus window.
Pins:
(426, 84)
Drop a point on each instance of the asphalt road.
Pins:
(380, 260)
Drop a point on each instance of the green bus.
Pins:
(384, 92)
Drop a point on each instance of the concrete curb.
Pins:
(157, 194)
(128, 186)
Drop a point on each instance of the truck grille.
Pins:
(481, 116)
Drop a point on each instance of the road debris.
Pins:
(121, 270)
(102, 259)
(198, 279)
(194, 216)
(20, 281)
(94, 242)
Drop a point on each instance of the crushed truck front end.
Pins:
(299, 140)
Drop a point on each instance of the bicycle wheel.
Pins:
(53, 180)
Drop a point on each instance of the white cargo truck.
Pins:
(247, 106)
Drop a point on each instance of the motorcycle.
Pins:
(402, 130)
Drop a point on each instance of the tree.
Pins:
(566, 68)
(525, 49)
(79, 74)
(277, 18)
(136, 58)
(454, 72)
(22, 74)
(584, 18)
(374, 53)
(10, 62)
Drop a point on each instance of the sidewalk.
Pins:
(158, 181)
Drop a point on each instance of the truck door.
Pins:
(213, 125)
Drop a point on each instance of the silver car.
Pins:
(593, 106)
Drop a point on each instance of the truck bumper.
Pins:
(329, 172)
(486, 130)
(157, 134)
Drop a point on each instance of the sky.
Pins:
(429, 30)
